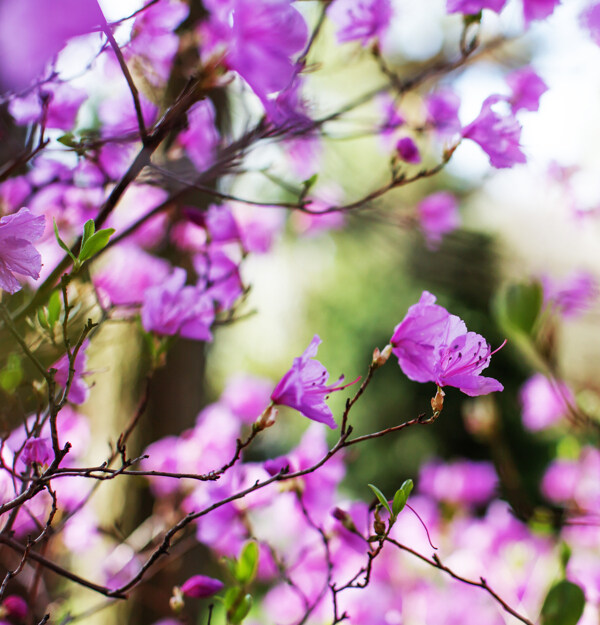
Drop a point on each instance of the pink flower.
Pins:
(408, 151)
(360, 19)
(260, 37)
(173, 308)
(442, 113)
(17, 254)
(590, 19)
(34, 31)
(544, 403)
(200, 138)
(571, 296)
(538, 9)
(37, 450)
(498, 135)
(16, 607)
(438, 215)
(434, 346)
(303, 387)
(79, 391)
(201, 586)
(527, 88)
(474, 6)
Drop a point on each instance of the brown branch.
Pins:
(437, 563)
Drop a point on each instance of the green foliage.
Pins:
(382, 500)
(563, 605)
(91, 243)
(12, 374)
(518, 307)
(401, 497)
(247, 564)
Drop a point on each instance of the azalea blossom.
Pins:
(434, 346)
(17, 253)
(438, 215)
(201, 586)
(498, 135)
(360, 19)
(304, 387)
(527, 88)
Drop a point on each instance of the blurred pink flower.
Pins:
(571, 296)
(590, 19)
(438, 215)
(37, 450)
(544, 402)
(527, 88)
(173, 308)
(259, 38)
(408, 151)
(497, 135)
(79, 391)
(360, 19)
(201, 586)
(17, 253)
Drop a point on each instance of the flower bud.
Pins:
(201, 586)
(15, 607)
(381, 357)
(267, 418)
(344, 518)
(437, 402)
(176, 602)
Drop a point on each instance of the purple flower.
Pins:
(474, 6)
(460, 482)
(527, 88)
(498, 135)
(201, 586)
(79, 391)
(34, 31)
(408, 151)
(434, 346)
(571, 296)
(442, 113)
(37, 450)
(200, 138)
(17, 254)
(590, 19)
(16, 607)
(360, 19)
(538, 9)
(260, 36)
(438, 215)
(173, 308)
(303, 387)
(544, 402)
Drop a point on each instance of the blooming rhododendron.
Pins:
(258, 34)
(434, 346)
(527, 88)
(173, 308)
(438, 215)
(201, 586)
(544, 402)
(304, 387)
(498, 135)
(17, 253)
(360, 19)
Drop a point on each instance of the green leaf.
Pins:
(247, 565)
(563, 605)
(12, 374)
(518, 307)
(95, 243)
(42, 318)
(62, 243)
(382, 500)
(88, 230)
(67, 139)
(240, 610)
(401, 497)
(54, 307)
(232, 595)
